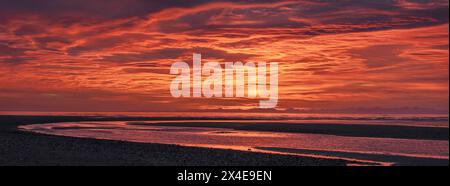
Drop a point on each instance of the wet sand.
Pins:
(26, 148)
(341, 129)
(396, 159)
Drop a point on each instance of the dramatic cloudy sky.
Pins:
(115, 55)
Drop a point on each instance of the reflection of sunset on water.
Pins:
(257, 141)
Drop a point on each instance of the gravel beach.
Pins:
(25, 148)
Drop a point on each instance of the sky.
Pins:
(350, 56)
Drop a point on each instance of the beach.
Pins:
(184, 141)
(30, 149)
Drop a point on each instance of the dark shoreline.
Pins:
(30, 149)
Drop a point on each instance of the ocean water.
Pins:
(437, 120)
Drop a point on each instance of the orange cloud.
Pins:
(332, 55)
